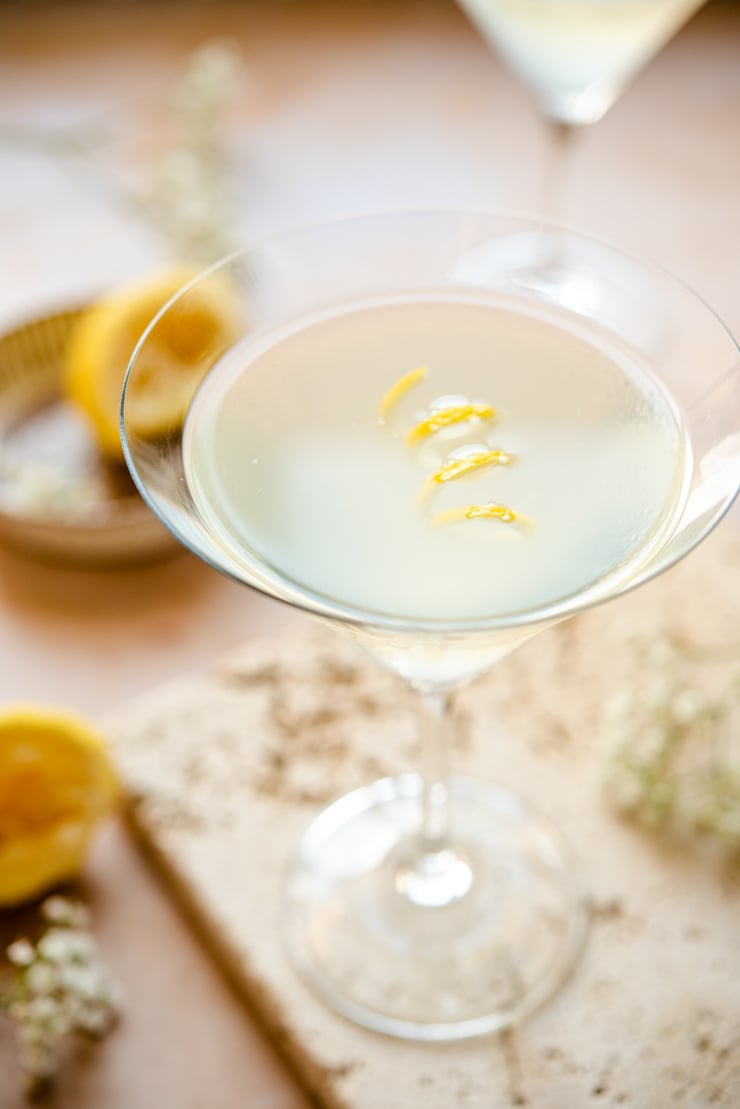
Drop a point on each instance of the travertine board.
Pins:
(224, 771)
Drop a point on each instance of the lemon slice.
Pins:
(179, 351)
(56, 784)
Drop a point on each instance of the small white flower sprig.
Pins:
(185, 188)
(60, 987)
(166, 154)
(671, 765)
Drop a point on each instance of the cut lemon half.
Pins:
(56, 784)
(179, 351)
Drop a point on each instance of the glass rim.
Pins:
(324, 606)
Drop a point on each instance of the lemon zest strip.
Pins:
(445, 417)
(398, 391)
(455, 468)
(490, 511)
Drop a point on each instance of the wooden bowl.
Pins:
(59, 499)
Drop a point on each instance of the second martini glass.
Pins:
(402, 433)
(577, 57)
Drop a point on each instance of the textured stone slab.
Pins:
(224, 772)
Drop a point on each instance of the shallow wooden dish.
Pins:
(59, 499)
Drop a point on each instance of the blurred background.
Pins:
(338, 107)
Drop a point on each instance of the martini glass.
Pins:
(576, 56)
(431, 906)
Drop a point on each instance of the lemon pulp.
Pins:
(180, 349)
(56, 783)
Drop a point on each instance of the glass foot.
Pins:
(459, 943)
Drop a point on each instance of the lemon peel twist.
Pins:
(455, 468)
(489, 511)
(460, 464)
(445, 417)
(398, 391)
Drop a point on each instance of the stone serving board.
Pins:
(224, 771)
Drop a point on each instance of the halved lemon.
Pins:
(179, 351)
(56, 784)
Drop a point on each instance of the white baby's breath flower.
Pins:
(60, 910)
(61, 945)
(215, 70)
(41, 1010)
(60, 987)
(620, 707)
(20, 953)
(667, 733)
(187, 188)
(659, 693)
(97, 1020)
(81, 980)
(42, 978)
(687, 706)
(654, 738)
(55, 946)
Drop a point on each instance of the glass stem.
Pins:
(560, 141)
(437, 873)
(436, 741)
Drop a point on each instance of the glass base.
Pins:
(454, 945)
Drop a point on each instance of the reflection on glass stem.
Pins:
(561, 139)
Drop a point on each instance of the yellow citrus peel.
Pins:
(462, 463)
(488, 511)
(455, 468)
(56, 784)
(446, 417)
(398, 391)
